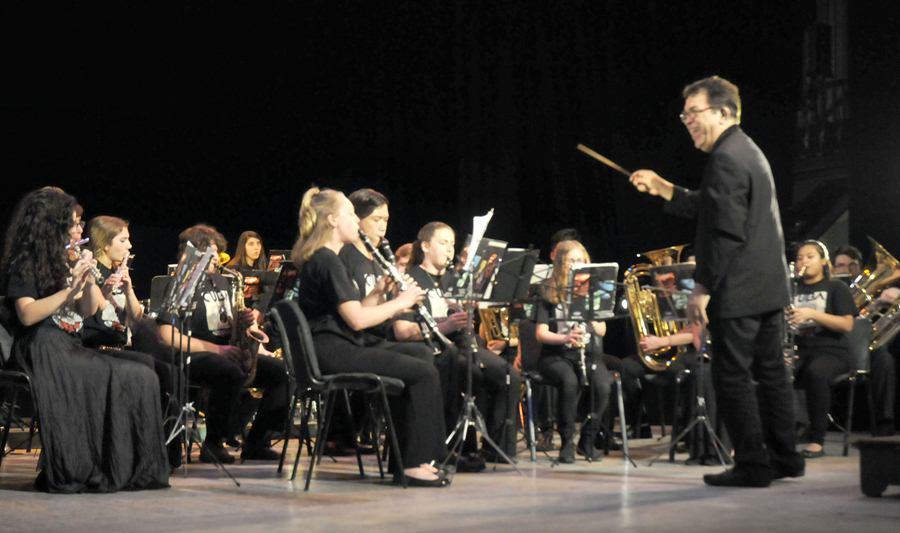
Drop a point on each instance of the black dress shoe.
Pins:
(740, 477)
(215, 452)
(259, 452)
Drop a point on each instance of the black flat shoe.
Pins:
(441, 481)
(813, 455)
(740, 477)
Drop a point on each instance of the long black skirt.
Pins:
(100, 419)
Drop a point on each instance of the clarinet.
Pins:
(789, 346)
(429, 327)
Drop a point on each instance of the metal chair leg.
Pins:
(849, 425)
(288, 429)
(392, 435)
(321, 437)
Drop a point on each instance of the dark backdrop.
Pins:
(225, 114)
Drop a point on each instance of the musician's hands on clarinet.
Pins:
(650, 182)
(454, 322)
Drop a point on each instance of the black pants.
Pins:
(224, 378)
(760, 422)
(814, 375)
(418, 415)
(883, 380)
(563, 373)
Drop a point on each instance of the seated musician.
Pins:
(882, 373)
(338, 317)
(219, 365)
(822, 313)
(372, 209)
(403, 255)
(119, 327)
(249, 254)
(498, 398)
(847, 261)
(560, 362)
(101, 426)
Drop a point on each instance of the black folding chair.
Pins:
(298, 348)
(859, 359)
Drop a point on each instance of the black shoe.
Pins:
(567, 452)
(544, 442)
(587, 449)
(232, 442)
(472, 462)
(259, 452)
(213, 452)
(441, 481)
(781, 473)
(813, 455)
(740, 477)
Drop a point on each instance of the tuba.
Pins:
(871, 281)
(643, 307)
(866, 288)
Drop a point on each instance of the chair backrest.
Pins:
(531, 348)
(6, 338)
(858, 345)
(297, 343)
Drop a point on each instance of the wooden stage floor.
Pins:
(580, 497)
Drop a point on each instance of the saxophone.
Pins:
(245, 332)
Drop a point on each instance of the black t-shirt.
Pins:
(363, 271)
(325, 284)
(553, 316)
(827, 296)
(66, 318)
(107, 326)
(434, 287)
(211, 314)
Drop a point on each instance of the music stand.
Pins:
(187, 278)
(465, 290)
(673, 296)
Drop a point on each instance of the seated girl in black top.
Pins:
(249, 253)
(119, 327)
(338, 317)
(101, 427)
(216, 363)
(560, 362)
(822, 314)
(433, 249)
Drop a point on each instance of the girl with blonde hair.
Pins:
(338, 317)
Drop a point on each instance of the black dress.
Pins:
(101, 426)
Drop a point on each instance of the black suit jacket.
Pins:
(739, 242)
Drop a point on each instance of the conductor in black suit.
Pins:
(741, 283)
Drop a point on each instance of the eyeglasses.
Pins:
(690, 113)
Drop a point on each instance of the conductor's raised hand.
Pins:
(652, 183)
